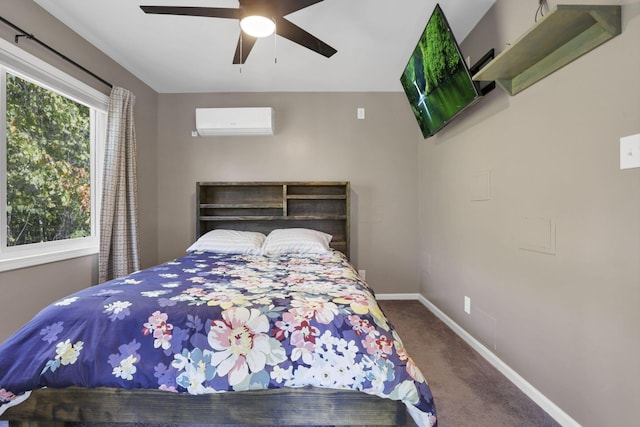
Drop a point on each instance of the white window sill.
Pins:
(45, 258)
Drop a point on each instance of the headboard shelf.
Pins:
(240, 205)
(240, 218)
(315, 197)
(264, 206)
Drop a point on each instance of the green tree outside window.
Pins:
(48, 165)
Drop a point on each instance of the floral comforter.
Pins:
(207, 323)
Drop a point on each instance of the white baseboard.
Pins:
(534, 394)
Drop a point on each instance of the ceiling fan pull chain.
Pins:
(240, 62)
(275, 45)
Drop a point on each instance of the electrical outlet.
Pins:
(467, 305)
(363, 274)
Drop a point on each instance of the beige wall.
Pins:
(24, 292)
(568, 323)
(318, 137)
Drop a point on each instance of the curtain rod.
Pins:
(23, 33)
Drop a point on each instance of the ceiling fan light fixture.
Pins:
(257, 26)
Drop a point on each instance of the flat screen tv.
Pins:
(436, 79)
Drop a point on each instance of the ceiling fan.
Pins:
(275, 12)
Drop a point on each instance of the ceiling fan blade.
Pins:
(245, 44)
(291, 31)
(210, 12)
(286, 7)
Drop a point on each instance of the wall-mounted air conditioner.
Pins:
(234, 121)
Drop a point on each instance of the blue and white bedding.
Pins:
(209, 323)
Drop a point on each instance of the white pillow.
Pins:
(296, 240)
(229, 242)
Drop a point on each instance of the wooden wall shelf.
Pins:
(564, 34)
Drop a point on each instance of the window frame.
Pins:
(26, 66)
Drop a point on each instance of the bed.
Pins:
(263, 322)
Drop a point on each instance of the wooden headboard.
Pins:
(265, 206)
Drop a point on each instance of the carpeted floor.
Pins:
(468, 391)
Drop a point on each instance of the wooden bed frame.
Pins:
(256, 206)
(282, 407)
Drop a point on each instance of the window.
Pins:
(51, 139)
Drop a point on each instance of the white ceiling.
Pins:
(178, 54)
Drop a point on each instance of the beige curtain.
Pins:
(119, 252)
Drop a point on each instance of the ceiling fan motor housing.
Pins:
(257, 7)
